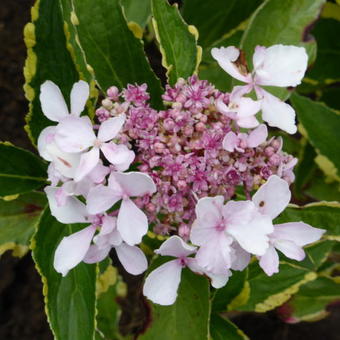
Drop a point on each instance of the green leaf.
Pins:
(267, 293)
(322, 126)
(310, 303)
(233, 294)
(188, 318)
(282, 22)
(20, 170)
(324, 215)
(213, 20)
(137, 11)
(18, 220)
(110, 48)
(47, 59)
(180, 55)
(326, 66)
(70, 300)
(109, 287)
(224, 329)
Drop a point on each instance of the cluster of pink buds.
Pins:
(191, 157)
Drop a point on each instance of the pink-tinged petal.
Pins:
(175, 246)
(109, 224)
(53, 175)
(161, 285)
(74, 134)
(132, 223)
(269, 262)
(298, 232)
(278, 113)
(272, 197)
(111, 127)
(248, 107)
(100, 199)
(230, 141)
(215, 255)
(135, 183)
(239, 91)
(226, 56)
(247, 122)
(257, 136)
(118, 155)
(259, 56)
(114, 238)
(281, 66)
(52, 101)
(132, 259)
(222, 107)
(241, 258)
(46, 137)
(88, 161)
(79, 94)
(98, 174)
(73, 211)
(219, 281)
(208, 210)
(72, 250)
(248, 227)
(290, 249)
(96, 254)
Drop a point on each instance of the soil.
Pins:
(22, 314)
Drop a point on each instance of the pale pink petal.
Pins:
(135, 183)
(219, 281)
(73, 211)
(223, 108)
(240, 259)
(239, 91)
(290, 249)
(74, 134)
(230, 141)
(247, 226)
(45, 138)
(72, 250)
(269, 262)
(109, 224)
(100, 199)
(257, 136)
(88, 161)
(161, 285)
(79, 94)
(132, 223)
(247, 122)
(226, 56)
(247, 107)
(96, 254)
(277, 113)
(175, 246)
(259, 56)
(215, 255)
(132, 259)
(298, 232)
(281, 66)
(98, 174)
(52, 101)
(111, 127)
(114, 238)
(118, 155)
(272, 197)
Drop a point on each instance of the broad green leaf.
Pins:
(282, 22)
(322, 126)
(112, 52)
(20, 170)
(137, 11)
(180, 55)
(310, 303)
(188, 318)
(269, 292)
(326, 66)
(324, 215)
(320, 190)
(47, 59)
(331, 96)
(18, 220)
(215, 19)
(109, 287)
(223, 329)
(70, 300)
(233, 294)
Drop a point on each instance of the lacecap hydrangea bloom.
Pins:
(177, 171)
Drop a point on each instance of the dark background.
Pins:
(22, 314)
